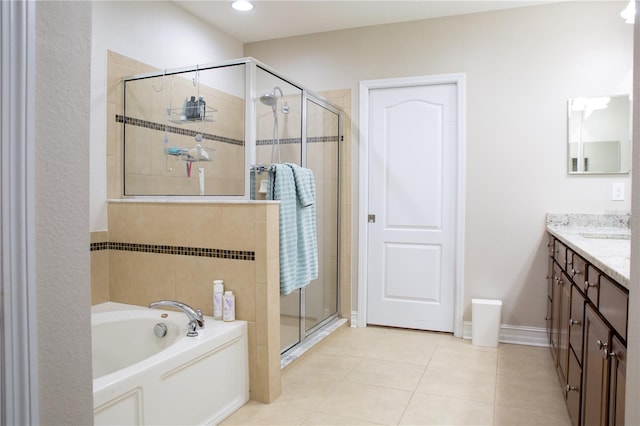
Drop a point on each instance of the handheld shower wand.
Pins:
(271, 99)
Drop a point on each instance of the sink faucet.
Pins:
(196, 320)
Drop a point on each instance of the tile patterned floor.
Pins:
(384, 376)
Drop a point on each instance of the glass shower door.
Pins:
(279, 140)
(320, 297)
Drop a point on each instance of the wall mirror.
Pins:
(599, 135)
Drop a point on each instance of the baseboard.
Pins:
(354, 319)
(518, 335)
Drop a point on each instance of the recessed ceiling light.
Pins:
(629, 13)
(242, 5)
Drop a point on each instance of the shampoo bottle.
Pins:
(201, 108)
(218, 290)
(228, 306)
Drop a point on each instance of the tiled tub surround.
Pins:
(120, 66)
(602, 240)
(170, 250)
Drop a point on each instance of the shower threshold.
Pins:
(312, 340)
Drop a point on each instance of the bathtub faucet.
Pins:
(196, 320)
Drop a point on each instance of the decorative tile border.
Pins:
(209, 136)
(315, 139)
(176, 130)
(175, 250)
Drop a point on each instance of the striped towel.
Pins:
(295, 188)
(307, 245)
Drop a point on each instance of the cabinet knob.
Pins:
(571, 388)
(547, 318)
(608, 354)
(573, 322)
(587, 284)
(575, 272)
(601, 345)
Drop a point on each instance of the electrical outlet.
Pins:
(617, 191)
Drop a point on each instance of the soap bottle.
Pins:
(201, 108)
(228, 306)
(192, 109)
(218, 290)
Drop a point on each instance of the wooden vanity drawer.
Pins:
(614, 304)
(578, 271)
(591, 285)
(551, 244)
(560, 254)
(576, 322)
(572, 390)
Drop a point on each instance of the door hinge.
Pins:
(372, 218)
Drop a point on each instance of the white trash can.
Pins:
(486, 315)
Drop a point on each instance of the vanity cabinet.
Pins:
(595, 380)
(587, 328)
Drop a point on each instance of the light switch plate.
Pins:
(617, 191)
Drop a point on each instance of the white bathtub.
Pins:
(142, 379)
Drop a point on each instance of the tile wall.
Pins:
(175, 250)
(153, 122)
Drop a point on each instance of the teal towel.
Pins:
(295, 188)
(307, 244)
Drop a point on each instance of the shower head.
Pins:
(269, 99)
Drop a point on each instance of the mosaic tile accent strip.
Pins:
(315, 139)
(176, 130)
(209, 136)
(176, 250)
(103, 245)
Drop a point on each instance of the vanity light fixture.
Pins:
(242, 5)
(629, 12)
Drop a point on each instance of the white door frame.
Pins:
(363, 161)
(18, 326)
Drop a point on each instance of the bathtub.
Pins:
(140, 379)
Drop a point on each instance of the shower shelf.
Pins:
(176, 115)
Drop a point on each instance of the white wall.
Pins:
(632, 413)
(158, 33)
(521, 66)
(62, 212)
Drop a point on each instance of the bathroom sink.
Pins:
(607, 235)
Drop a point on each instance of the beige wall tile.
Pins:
(194, 280)
(139, 278)
(99, 276)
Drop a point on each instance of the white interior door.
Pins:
(412, 193)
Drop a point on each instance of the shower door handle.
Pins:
(371, 218)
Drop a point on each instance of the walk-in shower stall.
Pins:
(213, 131)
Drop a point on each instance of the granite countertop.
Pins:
(602, 240)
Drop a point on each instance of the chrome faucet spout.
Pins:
(196, 319)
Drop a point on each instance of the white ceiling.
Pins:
(277, 19)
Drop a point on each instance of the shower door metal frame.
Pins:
(324, 103)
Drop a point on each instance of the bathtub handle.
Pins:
(196, 320)
(191, 329)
